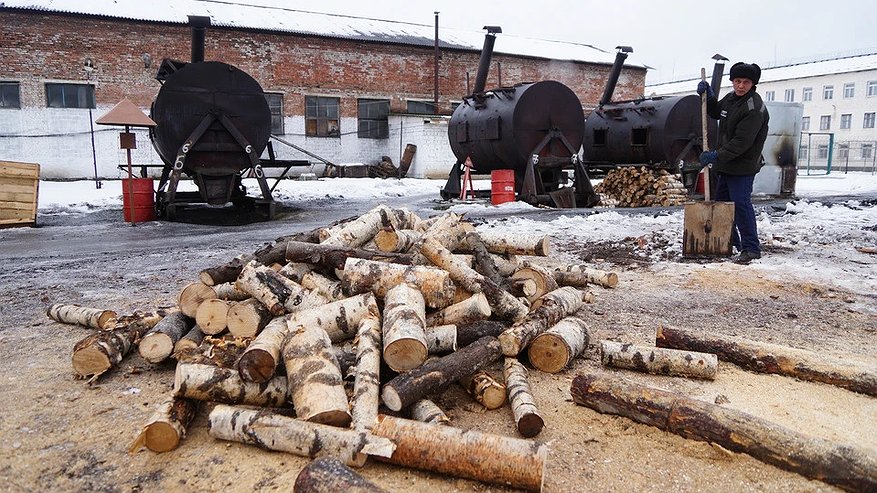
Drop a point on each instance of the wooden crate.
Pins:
(19, 189)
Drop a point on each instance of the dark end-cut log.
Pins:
(334, 256)
(330, 475)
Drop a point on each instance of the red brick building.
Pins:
(68, 56)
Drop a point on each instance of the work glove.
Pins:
(709, 157)
(704, 87)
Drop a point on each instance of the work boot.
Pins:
(746, 256)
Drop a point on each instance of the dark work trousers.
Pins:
(738, 189)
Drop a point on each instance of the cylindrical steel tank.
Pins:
(647, 131)
(500, 129)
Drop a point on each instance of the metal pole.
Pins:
(400, 142)
(435, 97)
(97, 183)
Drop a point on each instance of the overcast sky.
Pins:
(673, 37)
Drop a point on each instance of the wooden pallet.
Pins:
(19, 189)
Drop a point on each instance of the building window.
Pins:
(275, 104)
(321, 117)
(803, 151)
(790, 95)
(872, 88)
(825, 122)
(822, 151)
(769, 96)
(807, 94)
(69, 95)
(805, 123)
(846, 121)
(827, 92)
(843, 151)
(10, 95)
(421, 108)
(849, 90)
(868, 122)
(373, 119)
(867, 151)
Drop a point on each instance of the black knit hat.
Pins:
(749, 71)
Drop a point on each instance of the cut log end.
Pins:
(405, 354)
(391, 398)
(155, 347)
(161, 437)
(548, 353)
(90, 361)
(257, 366)
(530, 425)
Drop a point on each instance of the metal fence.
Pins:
(821, 153)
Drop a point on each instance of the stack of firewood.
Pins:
(401, 306)
(641, 187)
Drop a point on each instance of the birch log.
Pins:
(212, 383)
(212, 316)
(335, 257)
(541, 278)
(102, 350)
(427, 411)
(159, 342)
(469, 454)
(396, 240)
(448, 230)
(554, 306)
(483, 259)
(441, 338)
(404, 336)
(555, 348)
(247, 318)
(330, 475)
(362, 229)
(295, 270)
(229, 292)
(93, 318)
(572, 275)
(367, 379)
(315, 381)
(279, 294)
(470, 310)
(361, 276)
(438, 373)
(659, 361)
(515, 243)
(191, 297)
(527, 418)
(273, 431)
(502, 303)
(189, 342)
(329, 289)
(485, 389)
(167, 426)
(845, 466)
(774, 358)
(469, 333)
(339, 319)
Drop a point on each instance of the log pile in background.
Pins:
(641, 187)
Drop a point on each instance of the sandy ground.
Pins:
(60, 434)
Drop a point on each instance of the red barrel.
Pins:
(138, 200)
(502, 186)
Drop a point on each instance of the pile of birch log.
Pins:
(641, 187)
(337, 336)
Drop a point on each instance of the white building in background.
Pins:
(839, 96)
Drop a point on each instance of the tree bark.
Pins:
(163, 431)
(362, 229)
(212, 383)
(367, 380)
(502, 303)
(396, 240)
(448, 230)
(515, 243)
(315, 381)
(279, 294)
(555, 348)
(188, 343)
(427, 411)
(220, 274)
(527, 418)
(485, 389)
(773, 358)
(469, 454)
(159, 342)
(553, 307)
(848, 467)
(295, 270)
(227, 291)
(362, 275)
(247, 318)
(541, 278)
(102, 350)
(273, 431)
(94, 318)
(191, 297)
(405, 345)
(212, 316)
(441, 338)
(465, 312)
(329, 289)
(330, 475)
(484, 260)
(335, 257)
(579, 275)
(659, 361)
(437, 374)
(469, 333)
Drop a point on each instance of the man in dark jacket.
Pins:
(743, 122)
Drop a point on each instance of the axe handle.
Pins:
(703, 120)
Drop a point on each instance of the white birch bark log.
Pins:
(104, 349)
(276, 432)
(659, 361)
(167, 426)
(552, 350)
(315, 381)
(158, 344)
(94, 318)
(212, 383)
(551, 309)
(329, 289)
(441, 339)
(485, 389)
(404, 324)
(396, 240)
(295, 270)
(515, 243)
(427, 411)
(188, 342)
(542, 280)
(572, 275)
(527, 418)
(360, 276)
(472, 309)
(367, 379)
(227, 291)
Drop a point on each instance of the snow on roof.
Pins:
(840, 65)
(281, 19)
